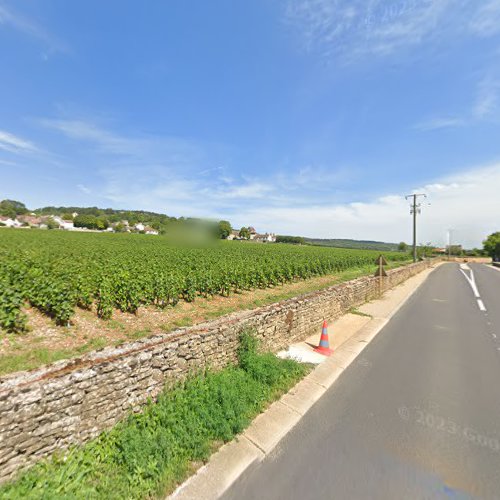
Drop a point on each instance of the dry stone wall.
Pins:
(72, 401)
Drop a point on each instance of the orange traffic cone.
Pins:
(324, 344)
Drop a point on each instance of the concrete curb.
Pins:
(268, 429)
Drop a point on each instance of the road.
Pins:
(416, 416)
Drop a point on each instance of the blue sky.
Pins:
(310, 117)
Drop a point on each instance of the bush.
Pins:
(149, 453)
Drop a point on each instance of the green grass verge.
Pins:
(149, 453)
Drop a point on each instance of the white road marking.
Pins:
(439, 300)
(481, 305)
(465, 266)
(494, 335)
(472, 282)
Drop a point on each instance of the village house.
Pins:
(150, 230)
(31, 220)
(234, 235)
(64, 224)
(8, 222)
(265, 238)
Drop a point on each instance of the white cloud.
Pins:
(467, 201)
(14, 144)
(15, 20)
(137, 174)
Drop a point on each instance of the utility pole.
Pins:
(415, 208)
(449, 243)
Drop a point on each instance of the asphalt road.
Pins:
(416, 416)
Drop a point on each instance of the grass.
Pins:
(149, 453)
(357, 312)
(33, 359)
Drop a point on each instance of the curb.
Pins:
(225, 466)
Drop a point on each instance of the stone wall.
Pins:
(72, 401)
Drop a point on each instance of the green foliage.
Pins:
(155, 220)
(149, 453)
(56, 271)
(425, 251)
(402, 247)
(51, 223)
(245, 233)
(294, 240)
(12, 208)
(224, 228)
(91, 221)
(12, 319)
(491, 245)
(354, 244)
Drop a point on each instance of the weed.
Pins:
(149, 453)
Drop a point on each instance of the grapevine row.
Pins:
(58, 272)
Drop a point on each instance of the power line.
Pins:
(415, 208)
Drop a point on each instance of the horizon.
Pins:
(311, 118)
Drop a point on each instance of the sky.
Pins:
(303, 117)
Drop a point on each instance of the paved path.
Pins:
(417, 415)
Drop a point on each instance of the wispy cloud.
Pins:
(355, 28)
(440, 122)
(84, 189)
(15, 20)
(488, 98)
(485, 107)
(486, 21)
(359, 27)
(14, 144)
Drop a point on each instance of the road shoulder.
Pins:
(352, 333)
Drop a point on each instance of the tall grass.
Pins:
(149, 453)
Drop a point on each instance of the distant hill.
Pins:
(359, 244)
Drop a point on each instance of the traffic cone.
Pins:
(324, 344)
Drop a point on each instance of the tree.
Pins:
(245, 233)
(424, 251)
(294, 240)
(224, 229)
(402, 247)
(12, 208)
(51, 223)
(67, 216)
(102, 223)
(88, 221)
(491, 245)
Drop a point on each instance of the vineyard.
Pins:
(57, 272)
